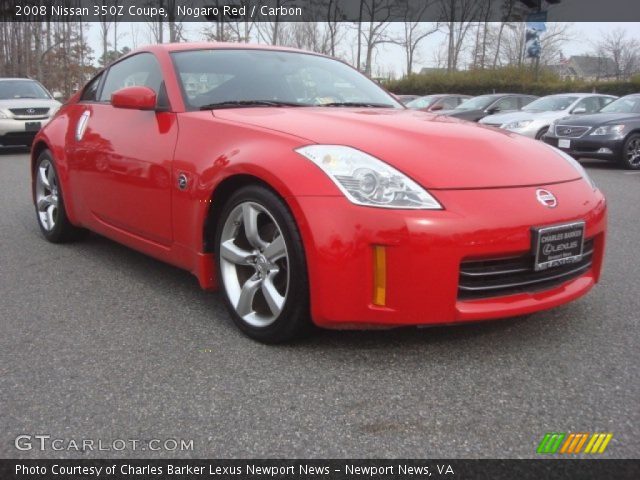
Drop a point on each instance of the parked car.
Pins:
(479, 107)
(308, 210)
(25, 106)
(433, 103)
(534, 119)
(611, 134)
(404, 99)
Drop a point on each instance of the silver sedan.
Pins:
(535, 118)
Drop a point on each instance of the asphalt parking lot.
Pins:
(100, 342)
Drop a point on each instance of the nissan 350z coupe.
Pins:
(309, 195)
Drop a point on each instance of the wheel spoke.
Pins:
(50, 216)
(234, 254)
(51, 177)
(44, 179)
(272, 296)
(44, 203)
(250, 220)
(276, 249)
(247, 294)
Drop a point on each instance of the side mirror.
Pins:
(435, 108)
(135, 98)
(493, 110)
(57, 95)
(579, 110)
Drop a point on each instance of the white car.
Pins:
(534, 119)
(25, 107)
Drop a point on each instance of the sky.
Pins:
(389, 58)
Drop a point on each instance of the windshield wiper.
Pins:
(356, 104)
(250, 103)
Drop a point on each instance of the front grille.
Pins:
(29, 112)
(508, 276)
(568, 131)
(497, 125)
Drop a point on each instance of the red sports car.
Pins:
(309, 195)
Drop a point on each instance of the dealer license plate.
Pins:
(564, 143)
(32, 126)
(558, 245)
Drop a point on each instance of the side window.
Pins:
(524, 101)
(90, 93)
(449, 102)
(590, 105)
(605, 101)
(140, 70)
(507, 103)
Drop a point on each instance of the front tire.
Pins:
(543, 131)
(261, 266)
(49, 203)
(631, 152)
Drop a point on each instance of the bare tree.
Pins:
(622, 50)
(414, 32)
(271, 30)
(552, 40)
(373, 23)
(458, 17)
(334, 29)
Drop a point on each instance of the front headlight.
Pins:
(4, 114)
(365, 180)
(608, 130)
(517, 125)
(575, 164)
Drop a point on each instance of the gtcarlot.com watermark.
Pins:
(45, 442)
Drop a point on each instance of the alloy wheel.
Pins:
(47, 197)
(254, 264)
(633, 152)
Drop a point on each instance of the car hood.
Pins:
(29, 103)
(593, 119)
(461, 113)
(437, 151)
(518, 116)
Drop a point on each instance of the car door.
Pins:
(122, 158)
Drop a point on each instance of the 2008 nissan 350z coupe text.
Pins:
(309, 195)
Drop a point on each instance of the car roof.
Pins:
(579, 94)
(186, 46)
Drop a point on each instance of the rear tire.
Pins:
(261, 266)
(49, 203)
(630, 158)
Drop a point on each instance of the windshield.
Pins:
(422, 102)
(477, 103)
(623, 105)
(21, 89)
(237, 77)
(553, 103)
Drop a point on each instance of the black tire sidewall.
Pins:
(623, 159)
(541, 133)
(294, 320)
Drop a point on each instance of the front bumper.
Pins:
(15, 132)
(602, 147)
(424, 250)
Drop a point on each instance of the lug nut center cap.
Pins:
(262, 265)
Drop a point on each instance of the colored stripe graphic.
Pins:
(550, 443)
(572, 443)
